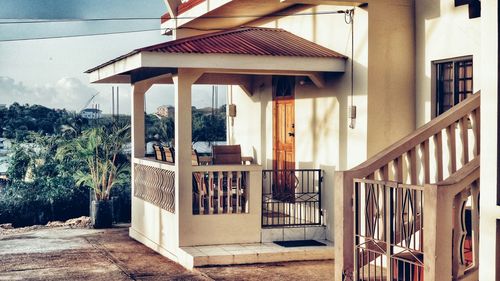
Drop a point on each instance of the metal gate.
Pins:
(291, 197)
(388, 231)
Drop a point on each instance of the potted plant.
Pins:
(101, 150)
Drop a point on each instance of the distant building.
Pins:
(4, 145)
(166, 111)
(91, 113)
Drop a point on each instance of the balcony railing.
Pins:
(154, 182)
(291, 197)
(220, 192)
(399, 177)
(390, 230)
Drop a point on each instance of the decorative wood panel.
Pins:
(156, 186)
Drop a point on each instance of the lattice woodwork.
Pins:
(156, 186)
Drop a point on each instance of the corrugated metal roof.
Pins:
(257, 41)
(246, 41)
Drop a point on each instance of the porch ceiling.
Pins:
(258, 51)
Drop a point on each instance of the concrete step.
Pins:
(254, 253)
(293, 233)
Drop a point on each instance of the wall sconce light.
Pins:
(352, 116)
(231, 110)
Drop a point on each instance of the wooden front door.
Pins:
(284, 137)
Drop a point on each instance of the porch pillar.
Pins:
(137, 119)
(343, 226)
(438, 233)
(183, 82)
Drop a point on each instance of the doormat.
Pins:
(299, 243)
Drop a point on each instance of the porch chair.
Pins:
(159, 153)
(169, 154)
(230, 155)
(200, 190)
(226, 155)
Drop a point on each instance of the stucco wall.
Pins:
(442, 31)
(321, 125)
(154, 224)
(391, 59)
(383, 93)
(490, 211)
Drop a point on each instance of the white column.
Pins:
(489, 210)
(183, 170)
(137, 130)
(137, 118)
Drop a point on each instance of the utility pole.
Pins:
(112, 101)
(117, 102)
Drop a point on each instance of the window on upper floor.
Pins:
(453, 82)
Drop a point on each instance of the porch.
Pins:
(198, 214)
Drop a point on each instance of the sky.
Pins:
(50, 72)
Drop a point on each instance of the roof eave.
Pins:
(224, 63)
(113, 71)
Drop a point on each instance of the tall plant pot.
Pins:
(102, 214)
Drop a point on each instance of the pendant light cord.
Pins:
(349, 19)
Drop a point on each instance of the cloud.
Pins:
(69, 93)
(73, 94)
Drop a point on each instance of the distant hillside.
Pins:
(18, 121)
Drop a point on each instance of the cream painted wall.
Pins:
(157, 225)
(391, 86)
(443, 31)
(321, 114)
(383, 92)
(489, 212)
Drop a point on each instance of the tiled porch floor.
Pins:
(256, 253)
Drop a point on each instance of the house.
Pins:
(91, 113)
(166, 111)
(358, 115)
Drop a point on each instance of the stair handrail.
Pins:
(445, 204)
(467, 113)
(417, 137)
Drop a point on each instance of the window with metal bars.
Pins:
(454, 83)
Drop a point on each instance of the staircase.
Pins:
(422, 190)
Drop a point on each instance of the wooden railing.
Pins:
(432, 153)
(220, 189)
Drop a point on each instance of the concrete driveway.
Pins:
(87, 254)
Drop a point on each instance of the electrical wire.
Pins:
(78, 35)
(114, 32)
(146, 30)
(36, 21)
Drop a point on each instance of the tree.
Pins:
(18, 163)
(101, 150)
(209, 127)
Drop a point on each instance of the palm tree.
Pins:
(99, 148)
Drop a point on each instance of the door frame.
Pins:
(276, 100)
